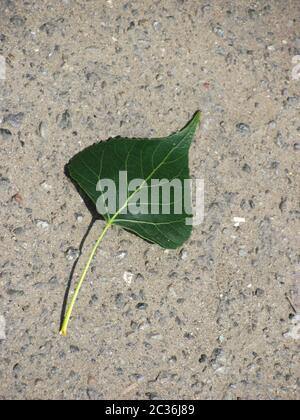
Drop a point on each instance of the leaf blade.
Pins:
(159, 158)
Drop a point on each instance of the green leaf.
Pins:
(151, 161)
(146, 159)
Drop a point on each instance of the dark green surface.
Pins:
(163, 158)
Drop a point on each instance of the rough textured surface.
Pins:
(211, 320)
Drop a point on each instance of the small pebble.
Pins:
(18, 21)
(65, 121)
(243, 253)
(18, 231)
(121, 255)
(43, 224)
(294, 332)
(17, 198)
(5, 134)
(136, 377)
(259, 292)
(46, 186)
(53, 281)
(14, 292)
(283, 204)
(144, 325)
(252, 13)
(243, 128)
(246, 168)
(219, 31)
(43, 130)
(279, 140)
(140, 277)
(119, 300)
(203, 358)
(128, 277)
(14, 120)
(238, 220)
(157, 26)
(142, 306)
(4, 182)
(79, 217)
(183, 254)
(272, 124)
(2, 328)
(72, 254)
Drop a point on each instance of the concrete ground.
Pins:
(217, 319)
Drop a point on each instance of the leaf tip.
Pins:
(197, 118)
